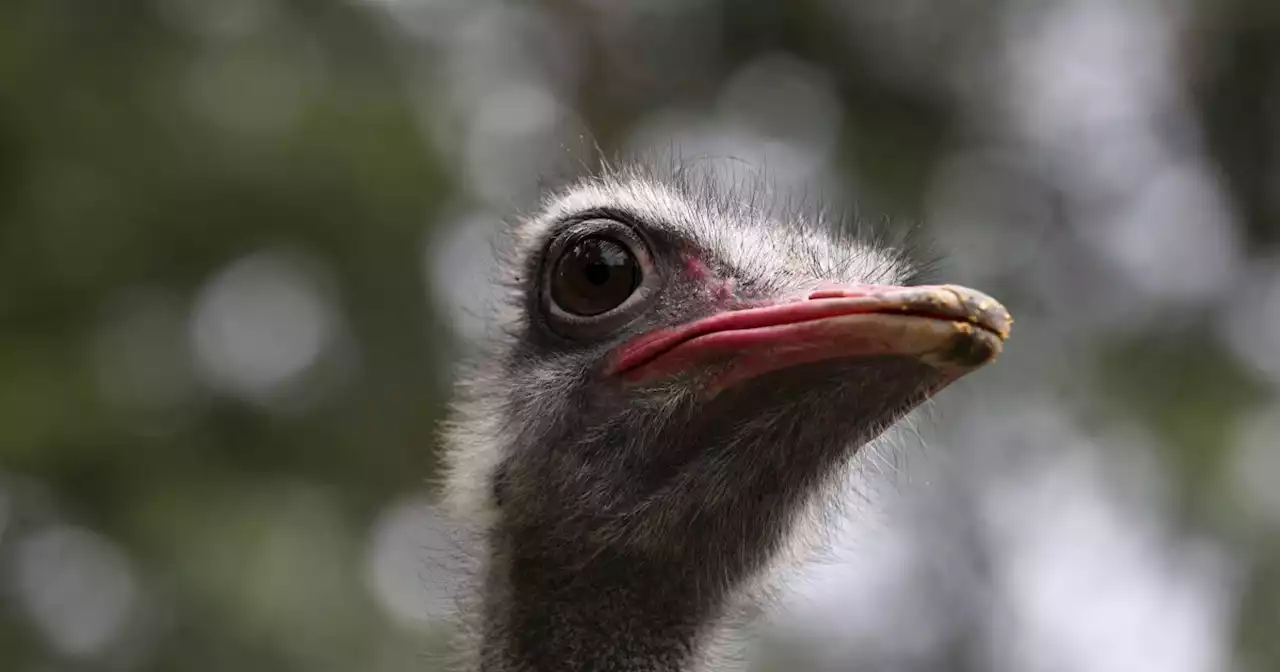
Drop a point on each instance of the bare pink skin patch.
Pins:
(696, 269)
(720, 289)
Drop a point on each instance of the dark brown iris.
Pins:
(593, 276)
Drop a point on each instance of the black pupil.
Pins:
(595, 275)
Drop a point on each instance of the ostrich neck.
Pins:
(565, 596)
(628, 611)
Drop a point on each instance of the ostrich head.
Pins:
(678, 371)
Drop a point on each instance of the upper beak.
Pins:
(950, 328)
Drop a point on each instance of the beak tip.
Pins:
(968, 349)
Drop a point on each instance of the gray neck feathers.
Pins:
(598, 562)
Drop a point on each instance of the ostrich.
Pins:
(678, 376)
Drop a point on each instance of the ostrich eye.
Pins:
(599, 276)
(594, 276)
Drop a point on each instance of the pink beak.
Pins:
(951, 328)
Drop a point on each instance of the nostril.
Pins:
(836, 293)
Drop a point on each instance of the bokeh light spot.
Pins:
(77, 586)
(261, 322)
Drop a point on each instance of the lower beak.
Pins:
(953, 329)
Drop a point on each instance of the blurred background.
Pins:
(243, 242)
